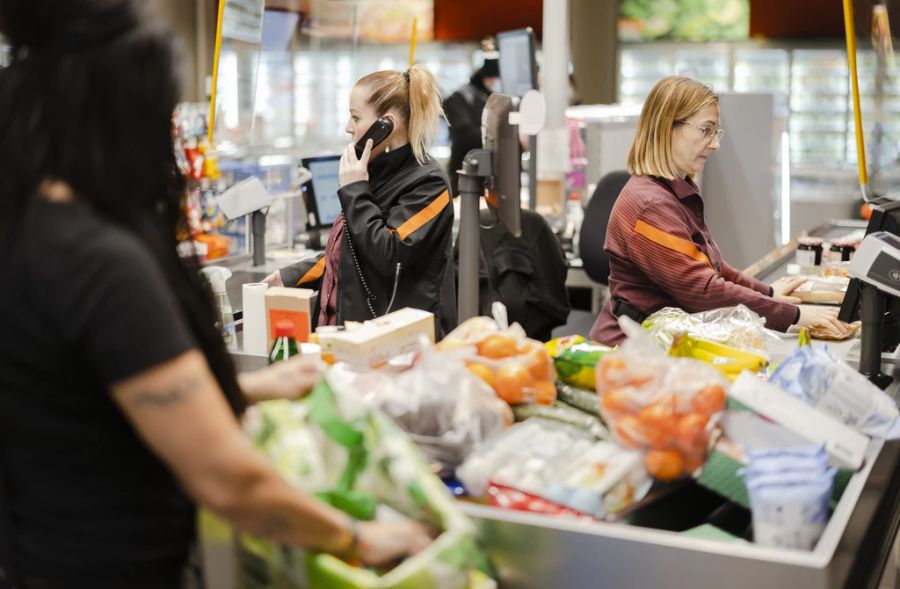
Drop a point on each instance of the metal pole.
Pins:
(871, 313)
(532, 172)
(258, 235)
(475, 167)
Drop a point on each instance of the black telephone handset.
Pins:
(378, 132)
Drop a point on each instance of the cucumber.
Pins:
(581, 399)
(562, 413)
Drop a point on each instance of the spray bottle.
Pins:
(216, 276)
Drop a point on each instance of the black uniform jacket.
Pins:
(400, 222)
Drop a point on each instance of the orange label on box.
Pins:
(300, 320)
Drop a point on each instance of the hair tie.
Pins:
(406, 76)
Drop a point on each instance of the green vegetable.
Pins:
(562, 413)
(581, 399)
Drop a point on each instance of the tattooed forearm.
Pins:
(166, 397)
(275, 526)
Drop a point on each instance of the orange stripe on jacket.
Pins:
(415, 222)
(669, 241)
(313, 273)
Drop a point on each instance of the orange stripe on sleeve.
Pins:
(313, 273)
(415, 222)
(669, 241)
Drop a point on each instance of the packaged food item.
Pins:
(582, 399)
(517, 368)
(813, 375)
(564, 413)
(809, 251)
(575, 359)
(508, 498)
(727, 360)
(374, 343)
(444, 408)
(332, 445)
(666, 407)
(737, 327)
(790, 491)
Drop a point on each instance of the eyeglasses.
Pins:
(708, 132)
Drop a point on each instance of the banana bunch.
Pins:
(728, 360)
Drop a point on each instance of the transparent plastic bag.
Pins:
(666, 407)
(738, 327)
(444, 408)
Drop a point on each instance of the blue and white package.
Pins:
(813, 375)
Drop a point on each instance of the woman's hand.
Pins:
(274, 279)
(384, 542)
(351, 169)
(816, 315)
(783, 287)
(283, 380)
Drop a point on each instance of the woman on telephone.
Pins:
(391, 246)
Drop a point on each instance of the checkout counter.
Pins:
(646, 548)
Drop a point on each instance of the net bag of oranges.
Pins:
(517, 368)
(667, 407)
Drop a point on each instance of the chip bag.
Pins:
(575, 359)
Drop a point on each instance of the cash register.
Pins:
(874, 292)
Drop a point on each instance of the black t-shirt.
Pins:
(83, 304)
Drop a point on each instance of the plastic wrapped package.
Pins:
(575, 359)
(738, 327)
(444, 408)
(561, 465)
(813, 375)
(666, 407)
(356, 459)
(517, 368)
(726, 359)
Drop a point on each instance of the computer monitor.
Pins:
(321, 192)
(885, 217)
(518, 64)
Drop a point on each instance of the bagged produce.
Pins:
(563, 466)
(444, 407)
(575, 359)
(737, 327)
(813, 375)
(667, 407)
(517, 368)
(582, 399)
(357, 459)
(564, 413)
(726, 359)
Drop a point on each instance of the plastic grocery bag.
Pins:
(355, 458)
(575, 359)
(812, 374)
(738, 327)
(667, 407)
(446, 409)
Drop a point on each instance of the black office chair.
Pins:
(593, 227)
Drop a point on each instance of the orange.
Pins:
(690, 433)
(544, 392)
(658, 423)
(617, 402)
(627, 431)
(538, 362)
(664, 465)
(693, 462)
(482, 371)
(610, 371)
(709, 400)
(511, 381)
(496, 347)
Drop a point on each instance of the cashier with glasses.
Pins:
(661, 253)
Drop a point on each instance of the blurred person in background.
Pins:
(119, 403)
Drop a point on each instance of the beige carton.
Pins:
(293, 304)
(372, 344)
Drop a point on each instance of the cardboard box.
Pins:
(372, 344)
(293, 304)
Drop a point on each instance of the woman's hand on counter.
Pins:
(783, 287)
(283, 380)
(274, 279)
(818, 315)
(381, 543)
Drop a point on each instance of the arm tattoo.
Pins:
(165, 398)
(275, 526)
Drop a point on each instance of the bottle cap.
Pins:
(284, 328)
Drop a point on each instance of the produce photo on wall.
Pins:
(684, 20)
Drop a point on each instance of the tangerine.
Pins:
(497, 346)
(664, 465)
(617, 402)
(690, 433)
(538, 362)
(544, 392)
(511, 381)
(693, 463)
(627, 431)
(482, 371)
(658, 423)
(709, 400)
(610, 371)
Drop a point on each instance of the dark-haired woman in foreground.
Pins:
(118, 400)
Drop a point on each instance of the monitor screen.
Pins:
(322, 201)
(518, 65)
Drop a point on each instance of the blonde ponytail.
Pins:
(416, 96)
